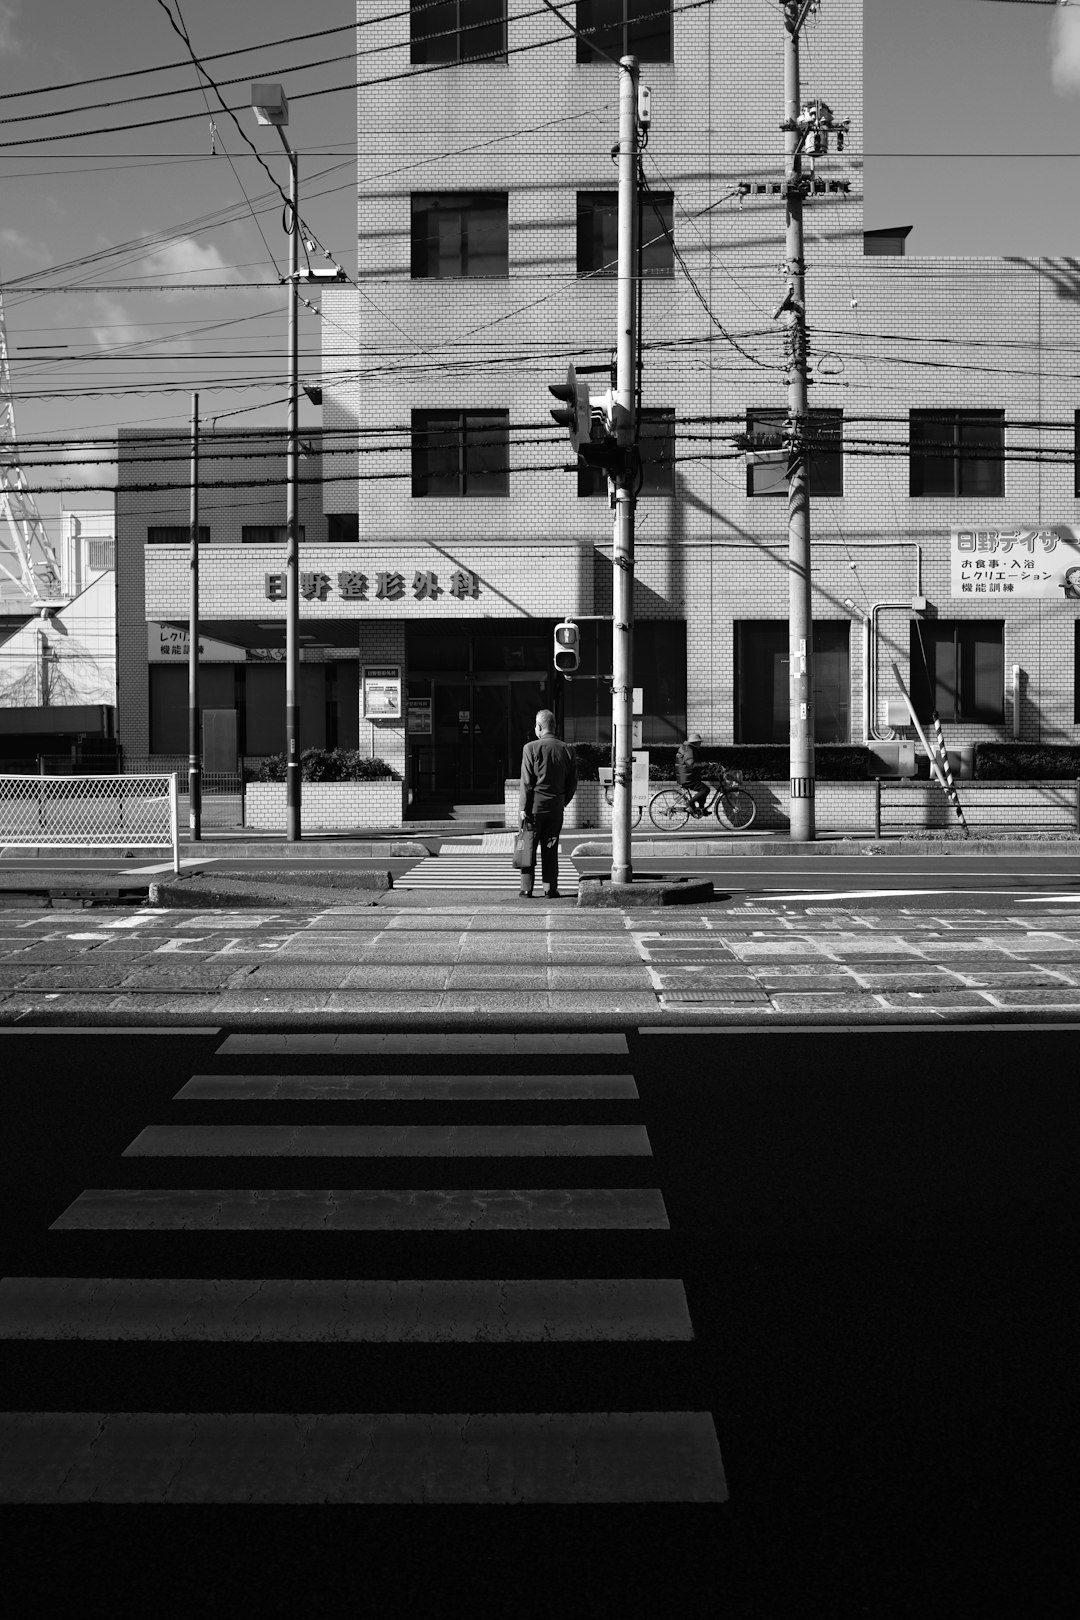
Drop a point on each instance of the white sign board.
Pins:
(1025, 561)
(639, 786)
(168, 643)
(381, 692)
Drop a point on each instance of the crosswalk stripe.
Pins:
(459, 869)
(345, 1311)
(352, 1209)
(472, 1043)
(390, 1141)
(411, 1087)
(416, 1457)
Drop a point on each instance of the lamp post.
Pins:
(272, 107)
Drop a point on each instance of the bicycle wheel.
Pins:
(735, 808)
(635, 810)
(669, 810)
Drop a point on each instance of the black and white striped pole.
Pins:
(942, 771)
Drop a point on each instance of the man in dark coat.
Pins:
(548, 783)
(688, 773)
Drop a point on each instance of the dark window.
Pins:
(888, 242)
(598, 233)
(765, 429)
(656, 444)
(1076, 673)
(456, 30)
(267, 534)
(1076, 454)
(762, 701)
(176, 534)
(958, 668)
(461, 452)
(640, 28)
(659, 669)
(343, 528)
(460, 233)
(957, 453)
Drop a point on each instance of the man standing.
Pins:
(548, 783)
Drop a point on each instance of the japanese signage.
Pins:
(382, 692)
(168, 643)
(1017, 562)
(352, 585)
(418, 717)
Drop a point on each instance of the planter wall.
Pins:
(328, 806)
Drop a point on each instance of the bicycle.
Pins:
(731, 803)
(635, 809)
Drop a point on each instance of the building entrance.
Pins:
(476, 689)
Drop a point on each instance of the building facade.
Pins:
(451, 532)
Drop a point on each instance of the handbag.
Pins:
(524, 857)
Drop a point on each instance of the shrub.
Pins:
(329, 765)
(758, 762)
(1026, 761)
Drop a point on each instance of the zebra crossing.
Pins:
(467, 866)
(416, 1182)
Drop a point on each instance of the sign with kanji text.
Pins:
(381, 689)
(1037, 561)
(378, 585)
(418, 717)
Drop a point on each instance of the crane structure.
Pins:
(29, 569)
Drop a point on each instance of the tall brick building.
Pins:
(451, 535)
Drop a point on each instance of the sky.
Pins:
(159, 208)
(973, 125)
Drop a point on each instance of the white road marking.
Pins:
(875, 894)
(128, 922)
(204, 860)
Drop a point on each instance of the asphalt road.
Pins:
(875, 1234)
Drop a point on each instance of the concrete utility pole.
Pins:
(194, 735)
(800, 593)
(624, 414)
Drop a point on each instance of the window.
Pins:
(1076, 673)
(888, 242)
(765, 430)
(461, 452)
(268, 534)
(343, 528)
(656, 444)
(456, 30)
(1076, 454)
(762, 700)
(640, 28)
(598, 233)
(460, 233)
(583, 704)
(957, 453)
(963, 673)
(175, 534)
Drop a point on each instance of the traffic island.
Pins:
(270, 890)
(644, 892)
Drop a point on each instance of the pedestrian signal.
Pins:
(567, 645)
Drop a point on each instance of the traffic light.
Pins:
(587, 419)
(567, 645)
(575, 413)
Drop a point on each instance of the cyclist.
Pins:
(688, 774)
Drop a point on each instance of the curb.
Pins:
(596, 892)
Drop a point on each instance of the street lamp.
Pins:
(271, 107)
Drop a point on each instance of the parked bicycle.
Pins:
(732, 804)
(635, 809)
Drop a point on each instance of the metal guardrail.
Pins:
(90, 812)
(903, 806)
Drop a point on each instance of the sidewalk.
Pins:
(482, 966)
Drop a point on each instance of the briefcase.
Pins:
(525, 849)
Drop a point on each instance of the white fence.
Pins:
(90, 812)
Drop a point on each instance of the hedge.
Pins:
(758, 762)
(329, 765)
(995, 761)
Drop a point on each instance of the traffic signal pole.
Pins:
(625, 424)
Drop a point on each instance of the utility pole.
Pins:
(800, 591)
(292, 519)
(813, 122)
(624, 422)
(194, 734)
